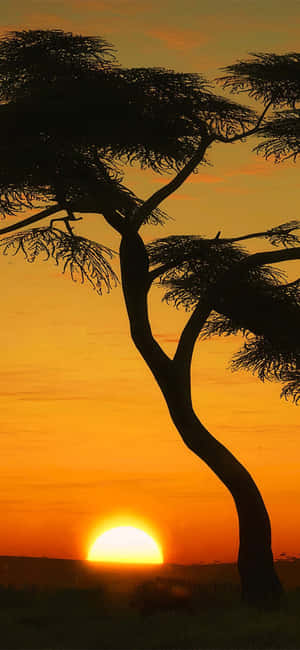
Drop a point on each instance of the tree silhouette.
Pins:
(83, 119)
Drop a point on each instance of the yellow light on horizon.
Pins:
(125, 544)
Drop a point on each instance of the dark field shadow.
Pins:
(189, 607)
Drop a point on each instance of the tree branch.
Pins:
(154, 201)
(134, 272)
(257, 259)
(245, 134)
(160, 270)
(273, 256)
(155, 273)
(37, 217)
(115, 220)
(190, 333)
(192, 329)
(270, 257)
(253, 235)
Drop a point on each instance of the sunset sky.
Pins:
(86, 439)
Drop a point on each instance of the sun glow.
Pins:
(125, 544)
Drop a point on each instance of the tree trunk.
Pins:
(260, 584)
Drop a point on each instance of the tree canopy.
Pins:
(275, 80)
(272, 78)
(71, 119)
(247, 299)
(76, 117)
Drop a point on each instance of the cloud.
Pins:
(136, 482)
(112, 6)
(229, 189)
(250, 169)
(178, 39)
(255, 168)
(37, 21)
(167, 338)
(206, 178)
(181, 197)
(46, 385)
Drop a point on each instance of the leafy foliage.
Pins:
(193, 265)
(271, 77)
(220, 325)
(283, 234)
(80, 178)
(70, 118)
(291, 389)
(84, 259)
(32, 60)
(171, 111)
(254, 302)
(273, 353)
(270, 362)
(281, 136)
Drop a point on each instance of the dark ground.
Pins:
(67, 604)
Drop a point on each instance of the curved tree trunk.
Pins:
(259, 581)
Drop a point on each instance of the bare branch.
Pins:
(245, 134)
(156, 273)
(190, 333)
(115, 220)
(64, 219)
(37, 217)
(281, 234)
(271, 257)
(154, 201)
(252, 235)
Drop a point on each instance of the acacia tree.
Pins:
(76, 118)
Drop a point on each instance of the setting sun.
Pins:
(125, 544)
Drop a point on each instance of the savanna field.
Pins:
(67, 604)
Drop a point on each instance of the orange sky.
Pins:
(86, 439)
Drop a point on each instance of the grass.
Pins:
(93, 618)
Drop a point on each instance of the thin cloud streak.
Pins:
(179, 39)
